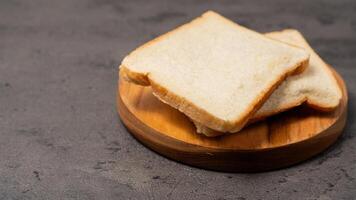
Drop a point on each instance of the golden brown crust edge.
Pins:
(256, 118)
(200, 115)
(134, 77)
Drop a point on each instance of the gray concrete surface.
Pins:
(60, 137)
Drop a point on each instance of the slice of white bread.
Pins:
(216, 72)
(316, 86)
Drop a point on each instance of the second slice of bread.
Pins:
(214, 71)
(316, 86)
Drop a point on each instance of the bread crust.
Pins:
(255, 118)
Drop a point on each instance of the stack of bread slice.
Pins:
(224, 76)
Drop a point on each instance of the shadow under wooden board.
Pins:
(277, 142)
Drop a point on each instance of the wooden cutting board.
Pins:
(276, 142)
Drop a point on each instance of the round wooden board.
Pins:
(277, 142)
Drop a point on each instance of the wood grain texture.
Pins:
(277, 142)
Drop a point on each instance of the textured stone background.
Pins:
(60, 137)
